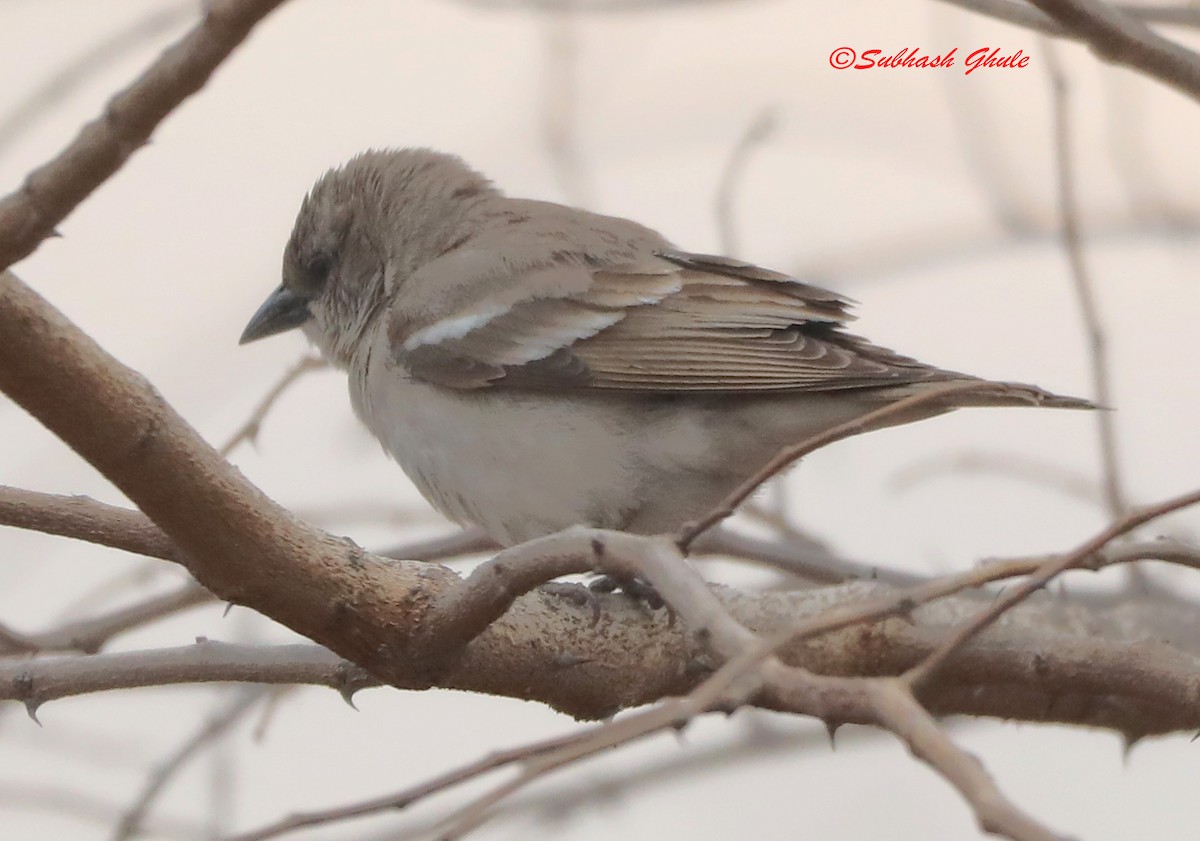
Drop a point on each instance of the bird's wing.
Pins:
(672, 322)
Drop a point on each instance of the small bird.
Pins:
(533, 366)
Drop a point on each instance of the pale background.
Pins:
(889, 185)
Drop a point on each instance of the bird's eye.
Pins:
(318, 267)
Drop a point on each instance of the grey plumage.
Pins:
(532, 366)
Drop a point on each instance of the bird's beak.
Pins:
(283, 310)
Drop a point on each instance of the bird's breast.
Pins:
(519, 465)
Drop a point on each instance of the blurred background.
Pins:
(928, 195)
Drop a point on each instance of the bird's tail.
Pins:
(991, 393)
(958, 391)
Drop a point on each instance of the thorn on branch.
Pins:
(831, 728)
(1128, 742)
(26, 695)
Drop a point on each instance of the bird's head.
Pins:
(362, 229)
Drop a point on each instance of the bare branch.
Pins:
(731, 177)
(1120, 38)
(1020, 466)
(1018, 13)
(79, 805)
(250, 429)
(217, 725)
(1114, 489)
(895, 255)
(34, 682)
(52, 191)
(85, 67)
(15, 641)
(467, 542)
(308, 581)
(560, 106)
(90, 635)
(901, 714)
(408, 796)
(789, 455)
(1049, 661)
(82, 518)
(758, 741)
(807, 559)
(1076, 558)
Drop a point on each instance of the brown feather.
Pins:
(711, 325)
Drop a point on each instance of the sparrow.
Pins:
(533, 366)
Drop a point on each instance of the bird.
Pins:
(533, 366)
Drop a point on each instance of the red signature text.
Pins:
(845, 58)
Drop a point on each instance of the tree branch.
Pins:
(249, 430)
(34, 682)
(1019, 14)
(90, 635)
(52, 191)
(83, 518)
(1120, 38)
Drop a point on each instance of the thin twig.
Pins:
(85, 67)
(904, 601)
(102, 146)
(135, 576)
(1010, 11)
(406, 797)
(1120, 38)
(1019, 466)
(466, 542)
(64, 801)
(37, 681)
(243, 701)
(900, 713)
(82, 518)
(714, 693)
(1081, 281)
(946, 245)
(250, 429)
(732, 173)
(90, 635)
(808, 559)
(759, 741)
(787, 456)
(560, 105)
(1079, 557)
(14, 641)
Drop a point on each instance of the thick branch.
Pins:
(235, 541)
(1046, 662)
